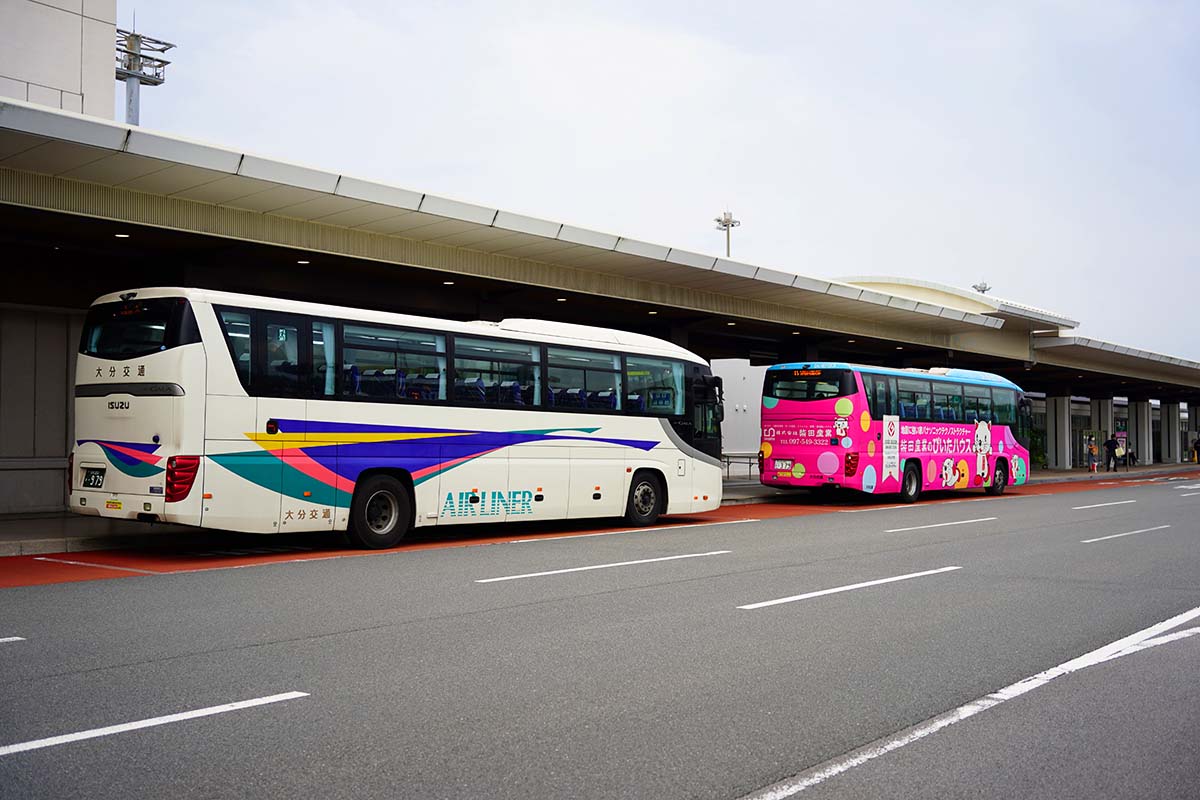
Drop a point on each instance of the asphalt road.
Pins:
(424, 676)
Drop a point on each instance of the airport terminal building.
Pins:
(89, 206)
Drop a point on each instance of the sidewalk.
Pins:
(34, 534)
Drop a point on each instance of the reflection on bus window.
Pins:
(582, 379)
(654, 386)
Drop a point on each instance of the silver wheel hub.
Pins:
(382, 513)
(644, 499)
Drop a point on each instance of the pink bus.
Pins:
(900, 431)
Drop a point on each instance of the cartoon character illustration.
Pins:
(949, 473)
(982, 447)
(841, 426)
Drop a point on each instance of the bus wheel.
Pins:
(910, 489)
(379, 513)
(645, 500)
(999, 479)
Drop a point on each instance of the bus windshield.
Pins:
(137, 328)
(809, 384)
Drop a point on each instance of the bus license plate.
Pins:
(783, 463)
(93, 477)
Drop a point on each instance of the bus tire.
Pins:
(910, 487)
(646, 499)
(380, 513)
(999, 479)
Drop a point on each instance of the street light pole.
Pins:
(726, 223)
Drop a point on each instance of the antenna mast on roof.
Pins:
(135, 67)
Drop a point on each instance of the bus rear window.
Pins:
(137, 328)
(809, 384)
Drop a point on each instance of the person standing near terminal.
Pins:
(1196, 450)
(1092, 453)
(1110, 454)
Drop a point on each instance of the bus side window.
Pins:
(324, 360)
(947, 402)
(977, 401)
(236, 325)
(281, 367)
(914, 399)
(654, 385)
(1004, 406)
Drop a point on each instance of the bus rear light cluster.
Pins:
(761, 459)
(851, 464)
(70, 473)
(181, 474)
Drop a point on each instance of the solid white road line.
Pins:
(7, 639)
(1102, 505)
(99, 566)
(602, 566)
(880, 508)
(94, 733)
(1122, 647)
(1189, 494)
(851, 587)
(1119, 535)
(940, 525)
(553, 538)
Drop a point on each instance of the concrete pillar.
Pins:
(1171, 433)
(1141, 430)
(1102, 415)
(1058, 432)
(1193, 427)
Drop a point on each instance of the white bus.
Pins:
(261, 415)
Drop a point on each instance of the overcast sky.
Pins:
(1051, 149)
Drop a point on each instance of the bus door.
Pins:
(306, 498)
(708, 412)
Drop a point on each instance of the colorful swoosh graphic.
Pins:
(319, 462)
(132, 458)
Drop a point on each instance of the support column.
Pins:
(1058, 432)
(1171, 434)
(1141, 430)
(1193, 428)
(1102, 416)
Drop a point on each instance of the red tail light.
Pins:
(70, 473)
(851, 464)
(181, 474)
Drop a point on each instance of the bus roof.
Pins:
(545, 331)
(970, 376)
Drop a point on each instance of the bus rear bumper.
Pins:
(138, 507)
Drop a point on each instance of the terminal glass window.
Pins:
(497, 372)
(389, 364)
(582, 379)
(654, 386)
